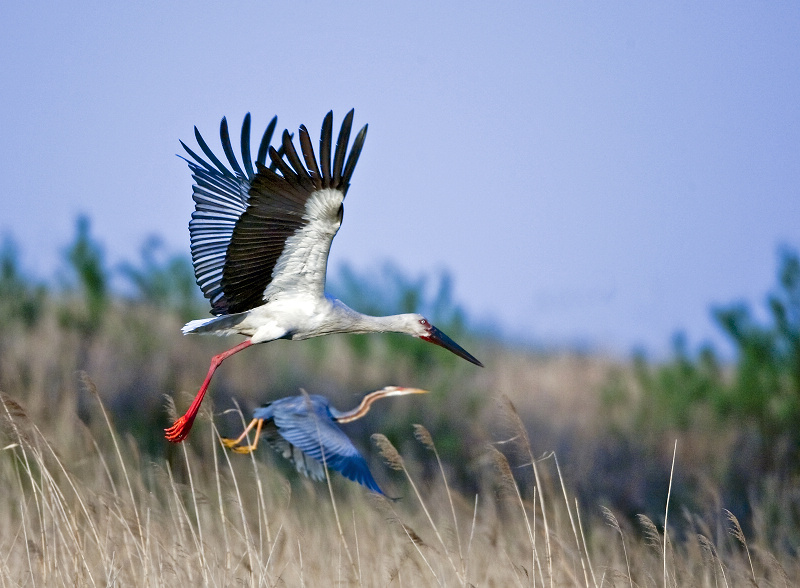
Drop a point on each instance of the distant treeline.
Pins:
(758, 392)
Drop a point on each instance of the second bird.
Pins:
(305, 430)
(260, 238)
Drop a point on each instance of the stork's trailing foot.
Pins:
(180, 428)
(234, 444)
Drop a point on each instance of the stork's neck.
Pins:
(352, 321)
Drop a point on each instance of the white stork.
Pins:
(260, 239)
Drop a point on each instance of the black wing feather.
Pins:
(210, 154)
(200, 161)
(225, 137)
(325, 141)
(265, 141)
(308, 155)
(245, 146)
(352, 159)
(294, 160)
(341, 147)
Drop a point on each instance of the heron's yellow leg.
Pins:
(230, 443)
(250, 448)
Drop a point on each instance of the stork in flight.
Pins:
(260, 238)
(304, 430)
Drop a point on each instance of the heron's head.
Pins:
(398, 391)
(427, 332)
(366, 402)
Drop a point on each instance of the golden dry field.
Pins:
(515, 475)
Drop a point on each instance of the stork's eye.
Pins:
(423, 322)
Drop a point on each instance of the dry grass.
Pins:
(95, 497)
(82, 507)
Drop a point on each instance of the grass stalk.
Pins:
(666, 510)
(738, 534)
(614, 524)
(508, 478)
(388, 448)
(193, 492)
(245, 530)
(521, 433)
(572, 521)
(182, 515)
(583, 538)
(89, 385)
(223, 521)
(471, 536)
(422, 434)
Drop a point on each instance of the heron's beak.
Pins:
(400, 390)
(442, 340)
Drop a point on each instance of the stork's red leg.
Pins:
(180, 428)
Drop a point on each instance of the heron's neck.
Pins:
(360, 410)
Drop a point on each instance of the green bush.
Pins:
(759, 391)
(165, 281)
(21, 300)
(87, 283)
(766, 386)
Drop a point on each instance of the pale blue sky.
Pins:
(589, 172)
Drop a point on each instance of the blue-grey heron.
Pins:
(304, 430)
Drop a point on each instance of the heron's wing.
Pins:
(280, 244)
(314, 433)
(221, 196)
(303, 463)
(269, 431)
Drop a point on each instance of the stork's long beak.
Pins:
(442, 340)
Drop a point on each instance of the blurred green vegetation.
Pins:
(766, 386)
(87, 283)
(21, 298)
(165, 281)
(737, 420)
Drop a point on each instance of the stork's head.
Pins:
(427, 332)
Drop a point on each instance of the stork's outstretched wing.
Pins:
(280, 244)
(258, 232)
(307, 430)
(221, 197)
